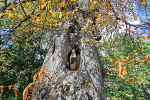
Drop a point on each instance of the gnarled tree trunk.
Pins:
(85, 83)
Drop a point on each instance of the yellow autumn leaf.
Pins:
(15, 90)
(138, 83)
(76, 8)
(127, 81)
(42, 6)
(41, 1)
(142, 36)
(135, 17)
(12, 6)
(1, 87)
(25, 92)
(58, 6)
(130, 95)
(121, 70)
(27, 44)
(99, 26)
(146, 59)
(10, 15)
(104, 21)
(72, 13)
(136, 52)
(37, 21)
(15, 40)
(90, 21)
(65, 88)
(10, 86)
(142, 2)
(148, 28)
(85, 41)
(55, 21)
(98, 19)
(9, 38)
(51, 13)
(30, 86)
(85, 28)
(130, 31)
(53, 86)
(20, 16)
(112, 69)
(60, 14)
(50, 21)
(104, 13)
(2, 15)
(113, 65)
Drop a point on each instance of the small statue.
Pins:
(73, 59)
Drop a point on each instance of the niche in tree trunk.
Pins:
(73, 60)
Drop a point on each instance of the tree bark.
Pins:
(85, 83)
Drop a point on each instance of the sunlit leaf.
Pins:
(127, 81)
(25, 92)
(130, 31)
(136, 52)
(107, 5)
(50, 21)
(34, 77)
(115, 46)
(98, 19)
(30, 86)
(37, 21)
(121, 70)
(15, 90)
(42, 6)
(138, 83)
(142, 2)
(146, 59)
(112, 69)
(41, 1)
(13, 5)
(41, 76)
(135, 17)
(10, 15)
(29, 98)
(104, 21)
(104, 13)
(89, 21)
(10, 86)
(130, 95)
(85, 41)
(60, 14)
(20, 16)
(2, 15)
(1, 87)
(65, 88)
(58, 6)
(148, 27)
(89, 40)
(9, 38)
(85, 28)
(113, 65)
(142, 36)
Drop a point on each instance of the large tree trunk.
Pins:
(85, 83)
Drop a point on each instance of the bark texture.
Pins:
(85, 83)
